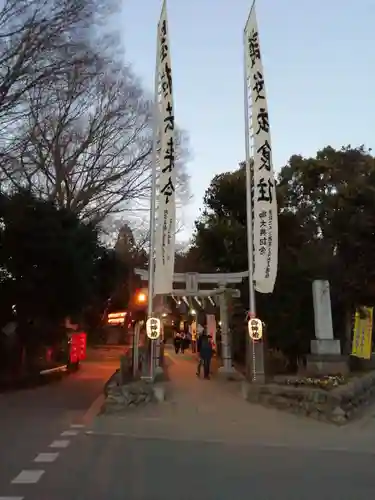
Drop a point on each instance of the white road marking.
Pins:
(12, 498)
(54, 370)
(64, 443)
(69, 433)
(46, 457)
(28, 477)
(75, 426)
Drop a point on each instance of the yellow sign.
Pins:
(362, 335)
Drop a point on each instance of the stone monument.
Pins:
(325, 358)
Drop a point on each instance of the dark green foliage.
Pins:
(52, 265)
(326, 230)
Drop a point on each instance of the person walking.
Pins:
(205, 350)
(177, 341)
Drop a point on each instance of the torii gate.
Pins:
(192, 281)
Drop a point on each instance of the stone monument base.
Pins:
(326, 364)
(324, 347)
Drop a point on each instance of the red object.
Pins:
(77, 347)
(49, 355)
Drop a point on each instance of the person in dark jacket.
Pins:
(183, 342)
(177, 341)
(205, 350)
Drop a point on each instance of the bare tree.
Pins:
(87, 141)
(82, 132)
(39, 40)
(141, 234)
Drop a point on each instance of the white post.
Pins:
(250, 355)
(136, 348)
(151, 265)
(157, 343)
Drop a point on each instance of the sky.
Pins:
(319, 70)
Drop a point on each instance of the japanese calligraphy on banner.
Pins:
(362, 334)
(166, 209)
(265, 228)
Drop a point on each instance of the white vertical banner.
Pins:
(166, 209)
(265, 227)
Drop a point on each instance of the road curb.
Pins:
(111, 378)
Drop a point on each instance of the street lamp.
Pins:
(193, 312)
(141, 298)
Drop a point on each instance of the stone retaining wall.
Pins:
(339, 405)
(127, 396)
(122, 397)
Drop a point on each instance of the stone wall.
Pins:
(126, 396)
(339, 405)
(121, 396)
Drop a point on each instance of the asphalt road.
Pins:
(31, 419)
(91, 466)
(114, 468)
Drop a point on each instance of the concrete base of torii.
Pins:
(229, 373)
(159, 370)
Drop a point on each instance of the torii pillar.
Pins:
(192, 281)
